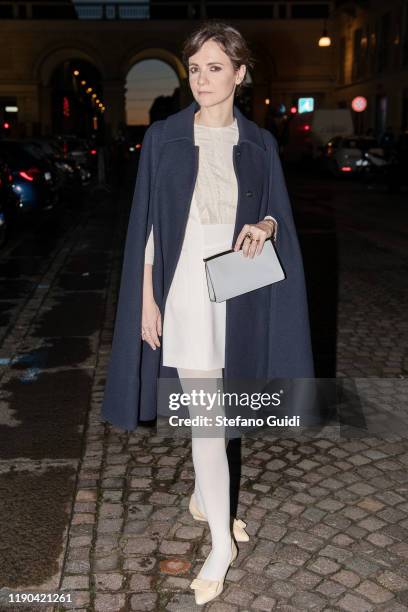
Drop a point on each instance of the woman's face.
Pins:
(211, 75)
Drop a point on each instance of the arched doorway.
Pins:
(152, 92)
(77, 103)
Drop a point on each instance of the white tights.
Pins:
(212, 478)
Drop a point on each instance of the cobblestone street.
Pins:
(327, 517)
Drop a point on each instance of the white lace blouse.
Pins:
(216, 204)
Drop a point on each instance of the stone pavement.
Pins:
(328, 523)
(327, 517)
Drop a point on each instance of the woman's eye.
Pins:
(216, 68)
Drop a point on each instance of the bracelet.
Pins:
(273, 225)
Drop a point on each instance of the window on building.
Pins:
(384, 42)
(396, 37)
(364, 59)
(404, 45)
(372, 43)
(356, 68)
(342, 60)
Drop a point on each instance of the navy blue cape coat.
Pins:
(267, 330)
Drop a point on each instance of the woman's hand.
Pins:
(260, 232)
(151, 322)
(151, 317)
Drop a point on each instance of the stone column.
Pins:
(28, 111)
(114, 100)
(45, 93)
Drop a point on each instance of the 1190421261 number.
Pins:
(29, 597)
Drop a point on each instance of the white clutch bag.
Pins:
(231, 273)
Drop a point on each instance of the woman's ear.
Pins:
(241, 73)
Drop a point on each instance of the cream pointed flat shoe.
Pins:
(205, 589)
(238, 525)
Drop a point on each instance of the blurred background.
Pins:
(80, 80)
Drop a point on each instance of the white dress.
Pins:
(194, 327)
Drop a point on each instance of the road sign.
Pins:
(305, 105)
(359, 104)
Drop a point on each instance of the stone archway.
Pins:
(159, 53)
(44, 67)
(172, 61)
(163, 103)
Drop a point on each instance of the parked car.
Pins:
(70, 172)
(8, 201)
(36, 150)
(82, 151)
(348, 155)
(304, 134)
(33, 177)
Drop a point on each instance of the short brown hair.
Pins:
(230, 40)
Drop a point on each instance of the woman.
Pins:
(208, 180)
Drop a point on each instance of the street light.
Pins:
(324, 40)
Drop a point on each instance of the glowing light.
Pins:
(359, 104)
(26, 176)
(66, 109)
(306, 105)
(324, 41)
(76, 72)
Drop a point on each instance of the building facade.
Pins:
(368, 55)
(372, 59)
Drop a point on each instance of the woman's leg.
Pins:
(212, 474)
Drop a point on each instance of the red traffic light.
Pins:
(6, 125)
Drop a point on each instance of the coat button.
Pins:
(238, 153)
(249, 194)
